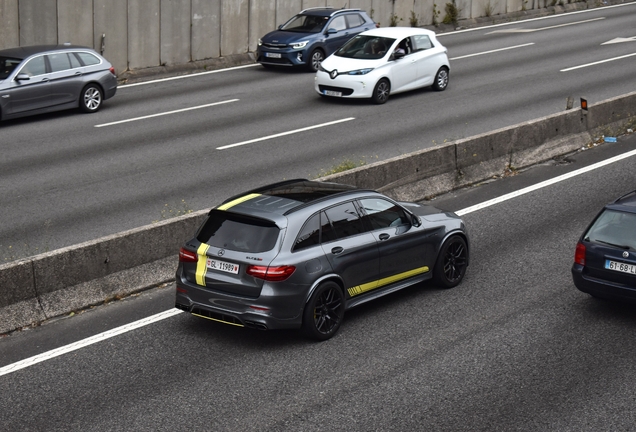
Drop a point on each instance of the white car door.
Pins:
(428, 58)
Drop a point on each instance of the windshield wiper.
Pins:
(612, 244)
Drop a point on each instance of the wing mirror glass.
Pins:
(22, 77)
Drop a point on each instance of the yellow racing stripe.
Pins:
(238, 201)
(202, 263)
(359, 289)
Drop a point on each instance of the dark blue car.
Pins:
(605, 257)
(312, 35)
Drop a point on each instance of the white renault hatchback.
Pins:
(381, 62)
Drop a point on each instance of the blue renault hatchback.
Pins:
(312, 35)
(605, 257)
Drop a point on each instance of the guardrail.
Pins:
(44, 286)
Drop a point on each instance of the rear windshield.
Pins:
(614, 228)
(238, 233)
(7, 65)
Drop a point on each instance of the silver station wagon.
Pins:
(46, 78)
(298, 254)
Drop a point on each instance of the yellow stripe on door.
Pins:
(359, 289)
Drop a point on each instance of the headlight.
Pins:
(360, 71)
(260, 42)
(299, 45)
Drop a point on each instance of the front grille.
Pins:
(274, 45)
(217, 316)
(345, 91)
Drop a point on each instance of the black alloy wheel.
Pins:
(324, 312)
(451, 264)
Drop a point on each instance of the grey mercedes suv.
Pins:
(297, 254)
(45, 78)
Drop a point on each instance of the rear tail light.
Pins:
(272, 274)
(187, 256)
(112, 70)
(579, 254)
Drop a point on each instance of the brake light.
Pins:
(272, 274)
(579, 254)
(112, 70)
(187, 256)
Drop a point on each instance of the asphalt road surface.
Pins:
(515, 347)
(165, 148)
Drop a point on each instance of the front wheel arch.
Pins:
(452, 261)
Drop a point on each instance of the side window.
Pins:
(338, 23)
(382, 213)
(422, 42)
(88, 59)
(34, 67)
(340, 222)
(309, 235)
(59, 62)
(75, 63)
(354, 20)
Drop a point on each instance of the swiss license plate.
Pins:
(272, 55)
(332, 93)
(223, 266)
(620, 267)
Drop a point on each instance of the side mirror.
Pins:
(332, 31)
(398, 55)
(22, 77)
(280, 27)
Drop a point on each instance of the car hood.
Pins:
(343, 64)
(285, 37)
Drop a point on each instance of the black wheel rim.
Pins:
(455, 261)
(327, 312)
(382, 93)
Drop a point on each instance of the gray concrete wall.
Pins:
(144, 20)
(262, 20)
(10, 28)
(38, 22)
(175, 34)
(111, 19)
(235, 20)
(206, 24)
(75, 22)
(61, 281)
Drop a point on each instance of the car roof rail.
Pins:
(345, 10)
(624, 196)
(315, 8)
(264, 188)
(325, 198)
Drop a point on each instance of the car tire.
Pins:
(451, 263)
(91, 98)
(324, 312)
(441, 79)
(315, 58)
(381, 91)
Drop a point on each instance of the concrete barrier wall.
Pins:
(138, 34)
(61, 281)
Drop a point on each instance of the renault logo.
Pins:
(333, 74)
(625, 254)
(221, 252)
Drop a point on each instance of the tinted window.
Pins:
(341, 222)
(305, 24)
(338, 23)
(7, 65)
(382, 213)
(615, 228)
(239, 233)
(365, 47)
(355, 20)
(59, 62)
(310, 234)
(75, 63)
(34, 67)
(88, 59)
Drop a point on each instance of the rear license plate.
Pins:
(620, 267)
(223, 266)
(272, 55)
(332, 93)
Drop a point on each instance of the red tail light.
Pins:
(579, 254)
(112, 70)
(187, 256)
(272, 274)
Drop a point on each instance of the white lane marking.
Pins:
(193, 75)
(597, 63)
(545, 183)
(492, 51)
(619, 40)
(171, 312)
(166, 113)
(545, 28)
(86, 342)
(284, 133)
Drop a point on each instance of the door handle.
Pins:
(337, 250)
(384, 236)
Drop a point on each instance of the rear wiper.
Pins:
(615, 245)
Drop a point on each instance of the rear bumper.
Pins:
(602, 288)
(272, 309)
